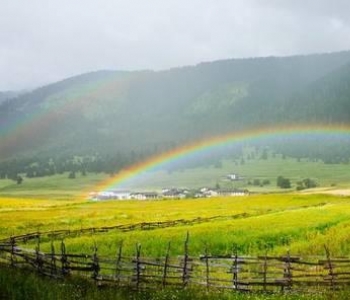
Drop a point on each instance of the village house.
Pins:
(111, 194)
(208, 192)
(175, 193)
(232, 192)
(233, 177)
(167, 193)
(144, 195)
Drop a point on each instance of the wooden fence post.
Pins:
(53, 260)
(38, 258)
(13, 245)
(138, 266)
(165, 269)
(95, 264)
(64, 260)
(330, 267)
(265, 272)
(235, 269)
(118, 266)
(207, 268)
(185, 271)
(287, 273)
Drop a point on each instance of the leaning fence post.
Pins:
(235, 270)
(95, 264)
(287, 273)
(53, 260)
(185, 271)
(38, 258)
(13, 244)
(64, 260)
(165, 270)
(330, 267)
(265, 272)
(138, 266)
(207, 268)
(118, 264)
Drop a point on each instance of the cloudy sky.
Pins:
(42, 41)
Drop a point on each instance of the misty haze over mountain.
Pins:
(146, 111)
(47, 41)
(156, 75)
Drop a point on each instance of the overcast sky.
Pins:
(42, 41)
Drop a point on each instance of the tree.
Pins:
(19, 179)
(283, 183)
(306, 184)
(264, 155)
(266, 182)
(71, 175)
(256, 182)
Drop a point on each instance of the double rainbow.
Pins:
(284, 133)
(38, 120)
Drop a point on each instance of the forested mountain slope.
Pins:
(114, 112)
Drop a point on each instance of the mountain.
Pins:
(7, 95)
(325, 100)
(115, 112)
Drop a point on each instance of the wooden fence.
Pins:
(234, 272)
(61, 234)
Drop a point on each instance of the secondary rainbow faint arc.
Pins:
(216, 141)
(39, 121)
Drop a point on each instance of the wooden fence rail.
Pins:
(240, 273)
(60, 234)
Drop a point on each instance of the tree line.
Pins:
(17, 168)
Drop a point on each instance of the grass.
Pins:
(20, 284)
(273, 222)
(22, 214)
(57, 187)
(276, 223)
(302, 230)
(60, 187)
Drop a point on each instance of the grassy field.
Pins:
(301, 222)
(276, 223)
(59, 187)
(19, 285)
(272, 223)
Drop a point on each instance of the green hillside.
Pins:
(325, 100)
(114, 112)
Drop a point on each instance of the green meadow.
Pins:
(60, 187)
(252, 224)
(271, 220)
(326, 175)
(255, 224)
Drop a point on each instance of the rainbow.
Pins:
(39, 121)
(206, 145)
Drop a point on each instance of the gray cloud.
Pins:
(46, 40)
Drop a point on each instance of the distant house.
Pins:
(93, 195)
(233, 177)
(211, 193)
(113, 194)
(144, 195)
(232, 192)
(208, 192)
(175, 193)
(121, 195)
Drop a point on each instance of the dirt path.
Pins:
(329, 191)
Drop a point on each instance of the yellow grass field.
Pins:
(301, 223)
